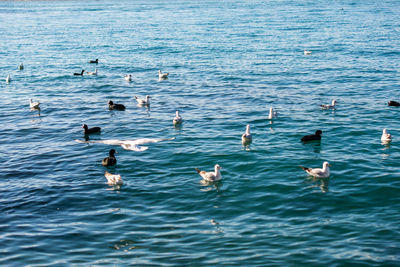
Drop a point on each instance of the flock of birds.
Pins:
(213, 176)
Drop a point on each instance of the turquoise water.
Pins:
(229, 61)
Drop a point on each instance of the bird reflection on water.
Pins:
(322, 183)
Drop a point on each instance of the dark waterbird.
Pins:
(112, 106)
(87, 130)
(110, 160)
(94, 61)
(312, 137)
(393, 103)
(79, 74)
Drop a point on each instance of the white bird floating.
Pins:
(307, 52)
(246, 137)
(178, 119)
(331, 106)
(385, 136)
(211, 176)
(133, 145)
(128, 77)
(272, 114)
(21, 66)
(92, 73)
(318, 172)
(33, 105)
(162, 75)
(113, 179)
(143, 102)
(8, 79)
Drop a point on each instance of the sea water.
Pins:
(228, 63)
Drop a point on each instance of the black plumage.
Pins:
(111, 105)
(312, 137)
(94, 61)
(79, 74)
(87, 130)
(394, 103)
(110, 160)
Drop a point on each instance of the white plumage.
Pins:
(211, 176)
(178, 119)
(272, 114)
(113, 179)
(246, 137)
(307, 52)
(331, 106)
(33, 104)
(386, 137)
(318, 172)
(8, 79)
(128, 77)
(162, 75)
(92, 73)
(143, 102)
(133, 145)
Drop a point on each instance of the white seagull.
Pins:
(272, 114)
(162, 75)
(246, 137)
(113, 179)
(317, 172)
(33, 105)
(8, 78)
(385, 136)
(133, 145)
(178, 119)
(128, 77)
(331, 106)
(211, 176)
(92, 73)
(307, 52)
(143, 102)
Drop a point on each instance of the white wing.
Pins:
(114, 142)
(128, 144)
(143, 141)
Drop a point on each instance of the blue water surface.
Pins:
(229, 61)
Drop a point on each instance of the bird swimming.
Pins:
(92, 73)
(331, 106)
(79, 74)
(143, 102)
(128, 77)
(178, 119)
(94, 61)
(133, 145)
(246, 137)
(8, 78)
(386, 137)
(113, 179)
(272, 114)
(312, 137)
(33, 105)
(318, 172)
(394, 103)
(113, 106)
(307, 52)
(87, 130)
(211, 176)
(110, 160)
(162, 75)
(21, 66)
